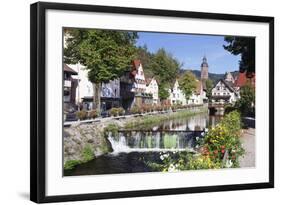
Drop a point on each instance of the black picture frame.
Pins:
(38, 100)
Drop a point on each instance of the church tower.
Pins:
(204, 69)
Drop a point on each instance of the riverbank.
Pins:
(83, 141)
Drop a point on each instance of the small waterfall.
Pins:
(119, 145)
(150, 142)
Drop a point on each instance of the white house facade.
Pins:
(139, 85)
(176, 95)
(152, 88)
(224, 93)
(198, 96)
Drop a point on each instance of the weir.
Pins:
(154, 141)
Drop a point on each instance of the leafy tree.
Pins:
(246, 48)
(163, 92)
(105, 54)
(165, 66)
(146, 59)
(188, 83)
(209, 87)
(247, 99)
(161, 65)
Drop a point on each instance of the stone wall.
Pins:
(78, 136)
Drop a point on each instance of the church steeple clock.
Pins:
(204, 69)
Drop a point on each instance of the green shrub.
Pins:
(135, 110)
(113, 128)
(113, 112)
(93, 114)
(121, 111)
(82, 115)
(225, 136)
(229, 108)
(116, 111)
(87, 153)
(201, 162)
(70, 164)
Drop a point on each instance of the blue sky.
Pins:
(190, 49)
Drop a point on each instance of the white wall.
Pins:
(14, 52)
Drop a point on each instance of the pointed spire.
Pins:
(204, 62)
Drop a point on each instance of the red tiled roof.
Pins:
(136, 64)
(67, 69)
(242, 79)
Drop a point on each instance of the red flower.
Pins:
(223, 147)
(222, 151)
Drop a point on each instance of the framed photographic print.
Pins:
(129, 102)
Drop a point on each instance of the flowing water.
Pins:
(133, 149)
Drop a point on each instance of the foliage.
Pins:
(244, 46)
(146, 59)
(113, 128)
(135, 110)
(82, 115)
(201, 162)
(87, 153)
(225, 136)
(70, 164)
(247, 99)
(188, 83)
(209, 87)
(165, 66)
(93, 114)
(229, 108)
(163, 92)
(116, 111)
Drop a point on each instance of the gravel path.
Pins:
(248, 143)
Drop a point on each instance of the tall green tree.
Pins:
(165, 66)
(209, 87)
(105, 54)
(161, 65)
(245, 46)
(246, 103)
(188, 83)
(146, 59)
(166, 69)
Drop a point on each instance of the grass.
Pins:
(70, 164)
(87, 155)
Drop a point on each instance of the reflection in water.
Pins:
(192, 123)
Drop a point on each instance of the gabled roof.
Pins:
(136, 64)
(148, 80)
(242, 79)
(227, 84)
(67, 69)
